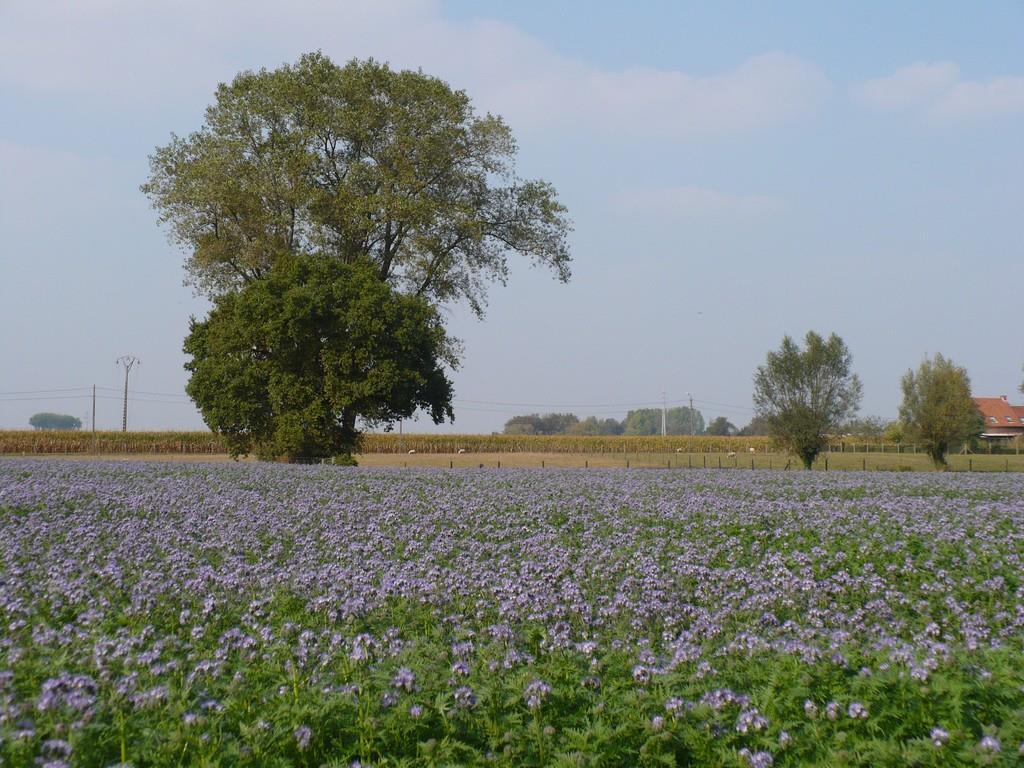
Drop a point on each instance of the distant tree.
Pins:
(684, 421)
(894, 432)
(535, 424)
(644, 421)
(868, 427)
(595, 426)
(937, 410)
(287, 365)
(522, 425)
(805, 394)
(720, 427)
(678, 421)
(757, 426)
(557, 423)
(54, 421)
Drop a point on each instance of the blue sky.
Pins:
(735, 172)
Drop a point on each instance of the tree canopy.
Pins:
(758, 425)
(804, 394)
(595, 426)
(356, 163)
(54, 421)
(535, 424)
(937, 410)
(720, 426)
(285, 365)
(678, 421)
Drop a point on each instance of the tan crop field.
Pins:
(493, 451)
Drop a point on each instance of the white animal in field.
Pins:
(412, 451)
(752, 449)
(731, 454)
(462, 450)
(679, 450)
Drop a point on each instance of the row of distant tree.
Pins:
(804, 396)
(643, 421)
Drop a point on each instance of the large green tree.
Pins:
(937, 410)
(392, 173)
(287, 364)
(805, 394)
(354, 162)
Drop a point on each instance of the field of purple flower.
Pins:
(163, 615)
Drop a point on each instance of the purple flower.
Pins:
(303, 734)
(465, 697)
(857, 711)
(404, 679)
(989, 744)
(535, 693)
(757, 759)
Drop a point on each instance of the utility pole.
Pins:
(663, 430)
(94, 418)
(128, 361)
(689, 415)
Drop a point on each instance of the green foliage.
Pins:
(720, 427)
(804, 394)
(535, 424)
(758, 427)
(678, 421)
(354, 162)
(595, 426)
(937, 410)
(894, 432)
(285, 365)
(54, 421)
(868, 427)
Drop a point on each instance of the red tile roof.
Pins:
(1001, 418)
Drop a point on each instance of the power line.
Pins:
(44, 391)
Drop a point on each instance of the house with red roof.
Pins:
(1001, 418)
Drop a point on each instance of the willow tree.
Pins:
(805, 394)
(937, 411)
(354, 162)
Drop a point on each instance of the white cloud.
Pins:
(137, 54)
(941, 92)
(688, 200)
